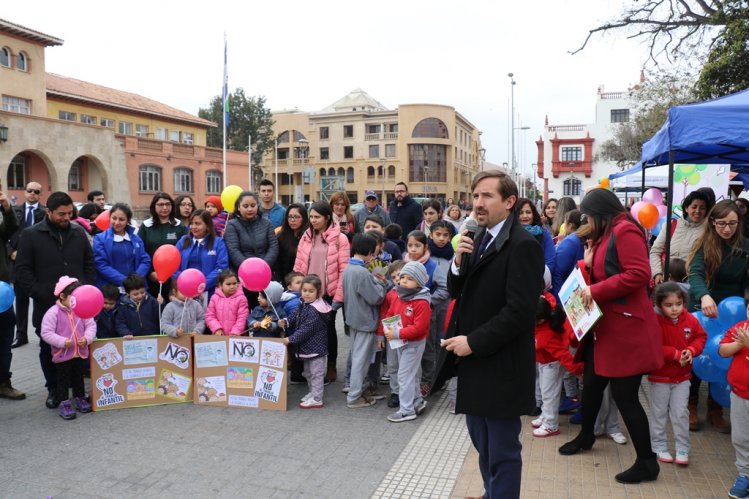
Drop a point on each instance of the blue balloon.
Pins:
(706, 370)
(658, 226)
(721, 393)
(713, 327)
(7, 296)
(711, 349)
(731, 311)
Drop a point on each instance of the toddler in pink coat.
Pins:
(69, 336)
(228, 310)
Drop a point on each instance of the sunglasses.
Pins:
(35, 191)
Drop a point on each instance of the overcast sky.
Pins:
(309, 54)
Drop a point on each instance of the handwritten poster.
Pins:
(273, 354)
(210, 354)
(107, 356)
(139, 351)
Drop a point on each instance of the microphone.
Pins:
(472, 226)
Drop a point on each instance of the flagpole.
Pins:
(224, 105)
(249, 159)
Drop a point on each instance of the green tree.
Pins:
(727, 67)
(248, 117)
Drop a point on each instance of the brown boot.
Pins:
(715, 417)
(694, 420)
(7, 391)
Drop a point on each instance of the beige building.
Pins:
(356, 144)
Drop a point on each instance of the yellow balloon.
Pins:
(229, 197)
(455, 241)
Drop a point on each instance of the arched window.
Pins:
(284, 137)
(149, 178)
(213, 182)
(350, 175)
(17, 172)
(182, 180)
(21, 62)
(572, 187)
(391, 171)
(370, 172)
(380, 170)
(298, 136)
(323, 172)
(5, 57)
(430, 127)
(331, 172)
(341, 172)
(74, 176)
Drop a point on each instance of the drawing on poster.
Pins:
(107, 356)
(139, 372)
(174, 385)
(239, 377)
(106, 385)
(140, 351)
(211, 389)
(272, 354)
(244, 350)
(176, 354)
(269, 384)
(243, 401)
(211, 354)
(141, 389)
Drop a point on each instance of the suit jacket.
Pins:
(20, 212)
(496, 299)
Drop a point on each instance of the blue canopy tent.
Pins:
(715, 131)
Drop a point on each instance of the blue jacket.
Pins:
(275, 215)
(570, 251)
(308, 331)
(259, 313)
(105, 324)
(106, 270)
(550, 254)
(137, 321)
(212, 261)
(290, 302)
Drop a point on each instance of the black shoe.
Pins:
(19, 342)
(394, 400)
(535, 412)
(644, 470)
(52, 401)
(297, 379)
(580, 442)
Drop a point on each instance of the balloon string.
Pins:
(187, 300)
(161, 284)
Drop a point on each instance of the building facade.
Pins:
(356, 144)
(568, 162)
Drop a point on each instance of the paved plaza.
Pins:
(185, 450)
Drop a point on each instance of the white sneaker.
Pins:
(306, 397)
(544, 431)
(345, 389)
(421, 407)
(664, 456)
(538, 422)
(311, 403)
(618, 438)
(682, 458)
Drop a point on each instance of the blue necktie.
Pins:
(30, 216)
(485, 242)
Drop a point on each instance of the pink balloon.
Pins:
(254, 274)
(662, 210)
(635, 210)
(654, 196)
(86, 301)
(191, 283)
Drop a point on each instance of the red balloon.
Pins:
(648, 215)
(102, 221)
(166, 260)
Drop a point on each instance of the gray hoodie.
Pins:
(192, 320)
(364, 294)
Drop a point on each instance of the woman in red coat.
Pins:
(626, 342)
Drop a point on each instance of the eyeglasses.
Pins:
(35, 191)
(722, 225)
(163, 205)
(294, 217)
(186, 205)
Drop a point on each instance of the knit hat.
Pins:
(63, 283)
(215, 201)
(273, 292)
(417, 271)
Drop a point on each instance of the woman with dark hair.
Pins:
(530, 219)
(325, 252)
(743, 206)
(249, 234)
(548, 213)
(564, 205)
(684, 233)
(162, 228)
(183, 207)
(118, 251)
(432, 212)
(342, 216)
(718, 266)
(626, 342)
(202, 249)
(294, 225)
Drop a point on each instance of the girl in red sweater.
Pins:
(683, 339)
(552, 352)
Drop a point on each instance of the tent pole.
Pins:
(669, 204)
(642, 186)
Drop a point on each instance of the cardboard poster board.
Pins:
(144, 371)
(239, 371)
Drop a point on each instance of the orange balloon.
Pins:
(102, 220)
(605, 182)
(648, 215)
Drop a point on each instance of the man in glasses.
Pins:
(29, 213)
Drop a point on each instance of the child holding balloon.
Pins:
(228, 310)
(683, 339)
(182, 316)
(69, 336)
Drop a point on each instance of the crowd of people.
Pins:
(432, 296)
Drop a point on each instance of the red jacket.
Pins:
(415, 315)
(738, 373)
(552, 346)
(627, 338)
(390, 296)
(686, 333)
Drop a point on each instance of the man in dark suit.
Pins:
(29, 213)
(497, 283)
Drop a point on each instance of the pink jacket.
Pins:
(58, 326)
(339, 253)
(228, 313)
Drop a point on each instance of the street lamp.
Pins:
(382, 199)
(520, 180)
(482, 153)
(303, 152)
(512, 121)
(426, 171)
(276, 173)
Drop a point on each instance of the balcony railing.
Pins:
(391, 135)
(381, 136)
(613, 95)
(566, 128)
